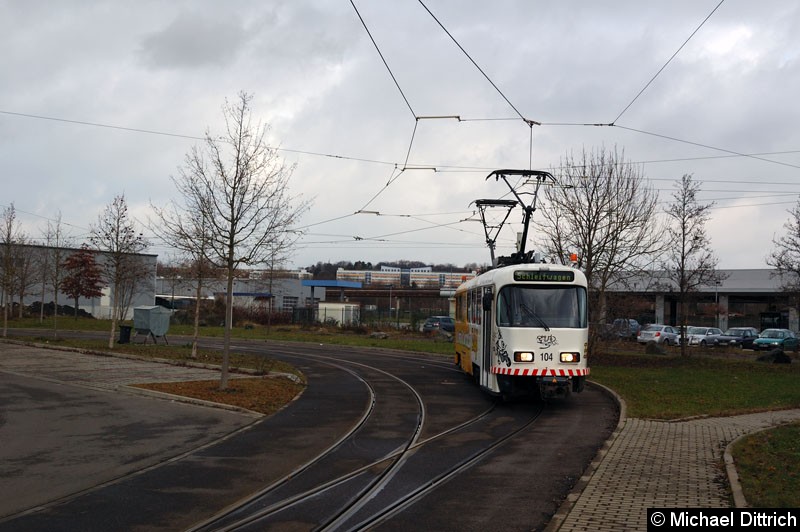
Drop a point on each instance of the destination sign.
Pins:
(544, 276)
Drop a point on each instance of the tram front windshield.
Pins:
(542, 306)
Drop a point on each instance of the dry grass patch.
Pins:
(266, 395)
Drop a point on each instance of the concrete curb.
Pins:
(237, 373)
(190, 400)
(178, 363)
(566, 506)
(739, 500)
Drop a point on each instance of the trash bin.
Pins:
(124, 334)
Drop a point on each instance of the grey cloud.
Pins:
(194, 40)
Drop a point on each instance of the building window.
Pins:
(290, 302)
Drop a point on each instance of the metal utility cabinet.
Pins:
(152, 321)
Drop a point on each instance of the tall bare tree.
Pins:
(10, 237)
(26, 274)
(52, 264)
(188, 231)
(690, 264)
(236, 188)
(785, 257)
(116, 235)
(602, 210)
(193, 271)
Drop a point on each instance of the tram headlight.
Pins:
(523, 356)
(570, 358)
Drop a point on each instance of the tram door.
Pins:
(486, 335)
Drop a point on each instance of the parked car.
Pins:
(660, 334)
(703, 336)
(776, 339)
(739, 337)
(439, 323)
(625, 328)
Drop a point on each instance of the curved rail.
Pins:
(391, 465)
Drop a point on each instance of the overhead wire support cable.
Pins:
(526, 120)
(410, 145)
(191, 137)
(375, 44)
(738, 154)
(667, 63)
(97, 124)
(392, 177)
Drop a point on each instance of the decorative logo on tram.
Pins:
(500, 349)
(546, 340)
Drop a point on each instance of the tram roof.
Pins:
(505, 274)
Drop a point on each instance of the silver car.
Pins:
(703, 336)
(660, 334)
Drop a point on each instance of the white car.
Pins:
(660, 334)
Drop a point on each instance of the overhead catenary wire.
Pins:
(406, 162)
(190, 137)
(440, 168)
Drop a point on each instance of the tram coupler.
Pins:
(550, 387)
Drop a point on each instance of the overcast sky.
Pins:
(103, 98)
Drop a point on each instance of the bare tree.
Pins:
(116, 235)
(690, 263)
(195, 272)
(187, 230)
(52, 265)
(236, 202)
(10, 237)
(786, 256)
(25, 271)
(603, 211)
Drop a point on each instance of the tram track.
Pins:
(396, 474)
(379, 440)
(369, 477)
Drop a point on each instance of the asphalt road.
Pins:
(77, 455)
(60, 439)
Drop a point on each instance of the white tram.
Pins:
(523, 329)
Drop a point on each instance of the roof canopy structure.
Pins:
(341, 285)
(331, 283)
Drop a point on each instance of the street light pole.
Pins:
(390, 304)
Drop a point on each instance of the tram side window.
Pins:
(471, 304)
(504, 308)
